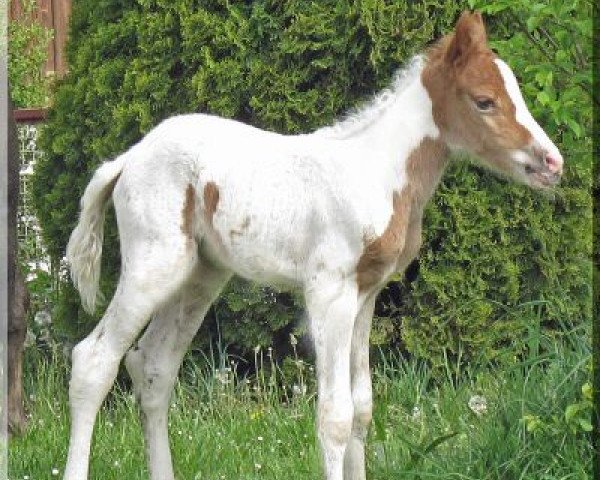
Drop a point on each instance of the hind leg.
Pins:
(153, 270)
(154, 362)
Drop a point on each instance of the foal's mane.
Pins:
(363, 116)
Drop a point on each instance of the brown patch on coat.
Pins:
(424, 169)
(211, 200)
(187, 213)
(383, 251)
(395, 248)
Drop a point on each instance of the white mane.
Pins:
(363, 116)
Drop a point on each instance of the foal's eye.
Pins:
(484, 104)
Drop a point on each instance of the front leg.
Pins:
(332, 308)
(362, 395)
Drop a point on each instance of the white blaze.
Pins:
(523, 115)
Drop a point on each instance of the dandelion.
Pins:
(260, 439)
(299, 390)
(416, 413)
(478, 404)
(223, 375)
(255, 415)
(258, 466)
(55, 472)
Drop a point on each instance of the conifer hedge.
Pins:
(498, 260)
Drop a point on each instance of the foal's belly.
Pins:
(270, 245)
(283, 243)
(268, 257)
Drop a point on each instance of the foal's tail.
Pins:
(84, 250)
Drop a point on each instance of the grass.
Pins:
(226, 427)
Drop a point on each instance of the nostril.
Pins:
(554, 162)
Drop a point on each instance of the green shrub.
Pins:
(294, 66)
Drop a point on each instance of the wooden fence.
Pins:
(53, 14)
(30, 116)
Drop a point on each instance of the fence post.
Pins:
(18, 298)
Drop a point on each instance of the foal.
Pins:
(333, 213)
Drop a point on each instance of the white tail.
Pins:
(84, 250)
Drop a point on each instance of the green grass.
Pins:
(222, 427)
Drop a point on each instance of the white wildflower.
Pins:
(223, 375)
(478, 404)
(42, 318)
(416, 413)
(30, 339)
(299, 390)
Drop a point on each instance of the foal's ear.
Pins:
(469, 33)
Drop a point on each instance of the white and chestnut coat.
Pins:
(333, 213)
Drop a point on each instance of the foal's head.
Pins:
(478, 107)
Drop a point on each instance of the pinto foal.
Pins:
(333, 213)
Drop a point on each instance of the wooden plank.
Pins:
(30, 115)
(16, 10)
(61, 10)
(46, 16)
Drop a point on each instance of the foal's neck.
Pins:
(409, 142)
